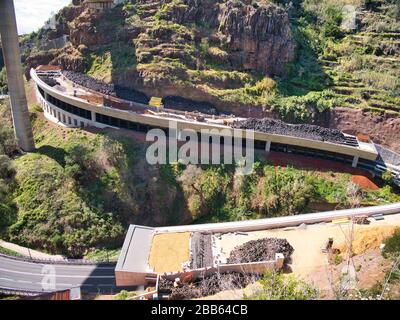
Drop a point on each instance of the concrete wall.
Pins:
(63, 118)
(130, 279)
(245, 268)
(127, 279)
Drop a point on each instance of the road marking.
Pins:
(7, 279)
(24, 281)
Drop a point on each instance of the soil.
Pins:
(364, 182)
(169, 251)
(368, 238)
(382, 129)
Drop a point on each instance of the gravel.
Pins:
(260, 250)
(306, 131)
(179, 103)
(106, 88)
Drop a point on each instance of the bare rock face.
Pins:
(96, 30)
(260, 38)
(63, 18)
(205, 12)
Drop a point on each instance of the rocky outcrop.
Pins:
(70, 59)
(38, 59)
(63, 19)
(93, 30)
(259, 38)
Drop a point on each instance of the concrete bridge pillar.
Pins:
(12, 60)
(355, 161)
(267, 146)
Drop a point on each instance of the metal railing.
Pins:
(59, 261)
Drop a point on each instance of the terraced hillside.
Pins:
(365, 68)
(334, 63)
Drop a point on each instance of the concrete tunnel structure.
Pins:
(12, 60)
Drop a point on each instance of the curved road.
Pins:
(19, 275)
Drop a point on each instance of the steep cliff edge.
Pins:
(259, 38)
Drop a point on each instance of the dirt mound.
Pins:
(364, 182)
(260, 250)
(306, 131)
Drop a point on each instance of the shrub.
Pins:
(3, 81)
(392, 244)
(277, 286)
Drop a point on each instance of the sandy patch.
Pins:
(366, 238)
(169, 251)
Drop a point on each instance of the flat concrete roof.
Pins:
(136, 249)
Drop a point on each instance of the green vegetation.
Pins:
(124, 295)
(389, 288)
(103, 255)
(9, 252)
(107, 61)
(78, 193)
(3, 81)
(278, 286)
(170, 45)
(217, 194)
(392, 244)
(361, 65)
(7, 172)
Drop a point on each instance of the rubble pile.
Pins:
(105, 88)
(206, 286)
(260, 250)
(306, 131)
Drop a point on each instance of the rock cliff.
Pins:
(259, 38)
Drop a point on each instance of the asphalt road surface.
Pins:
(38, 277)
